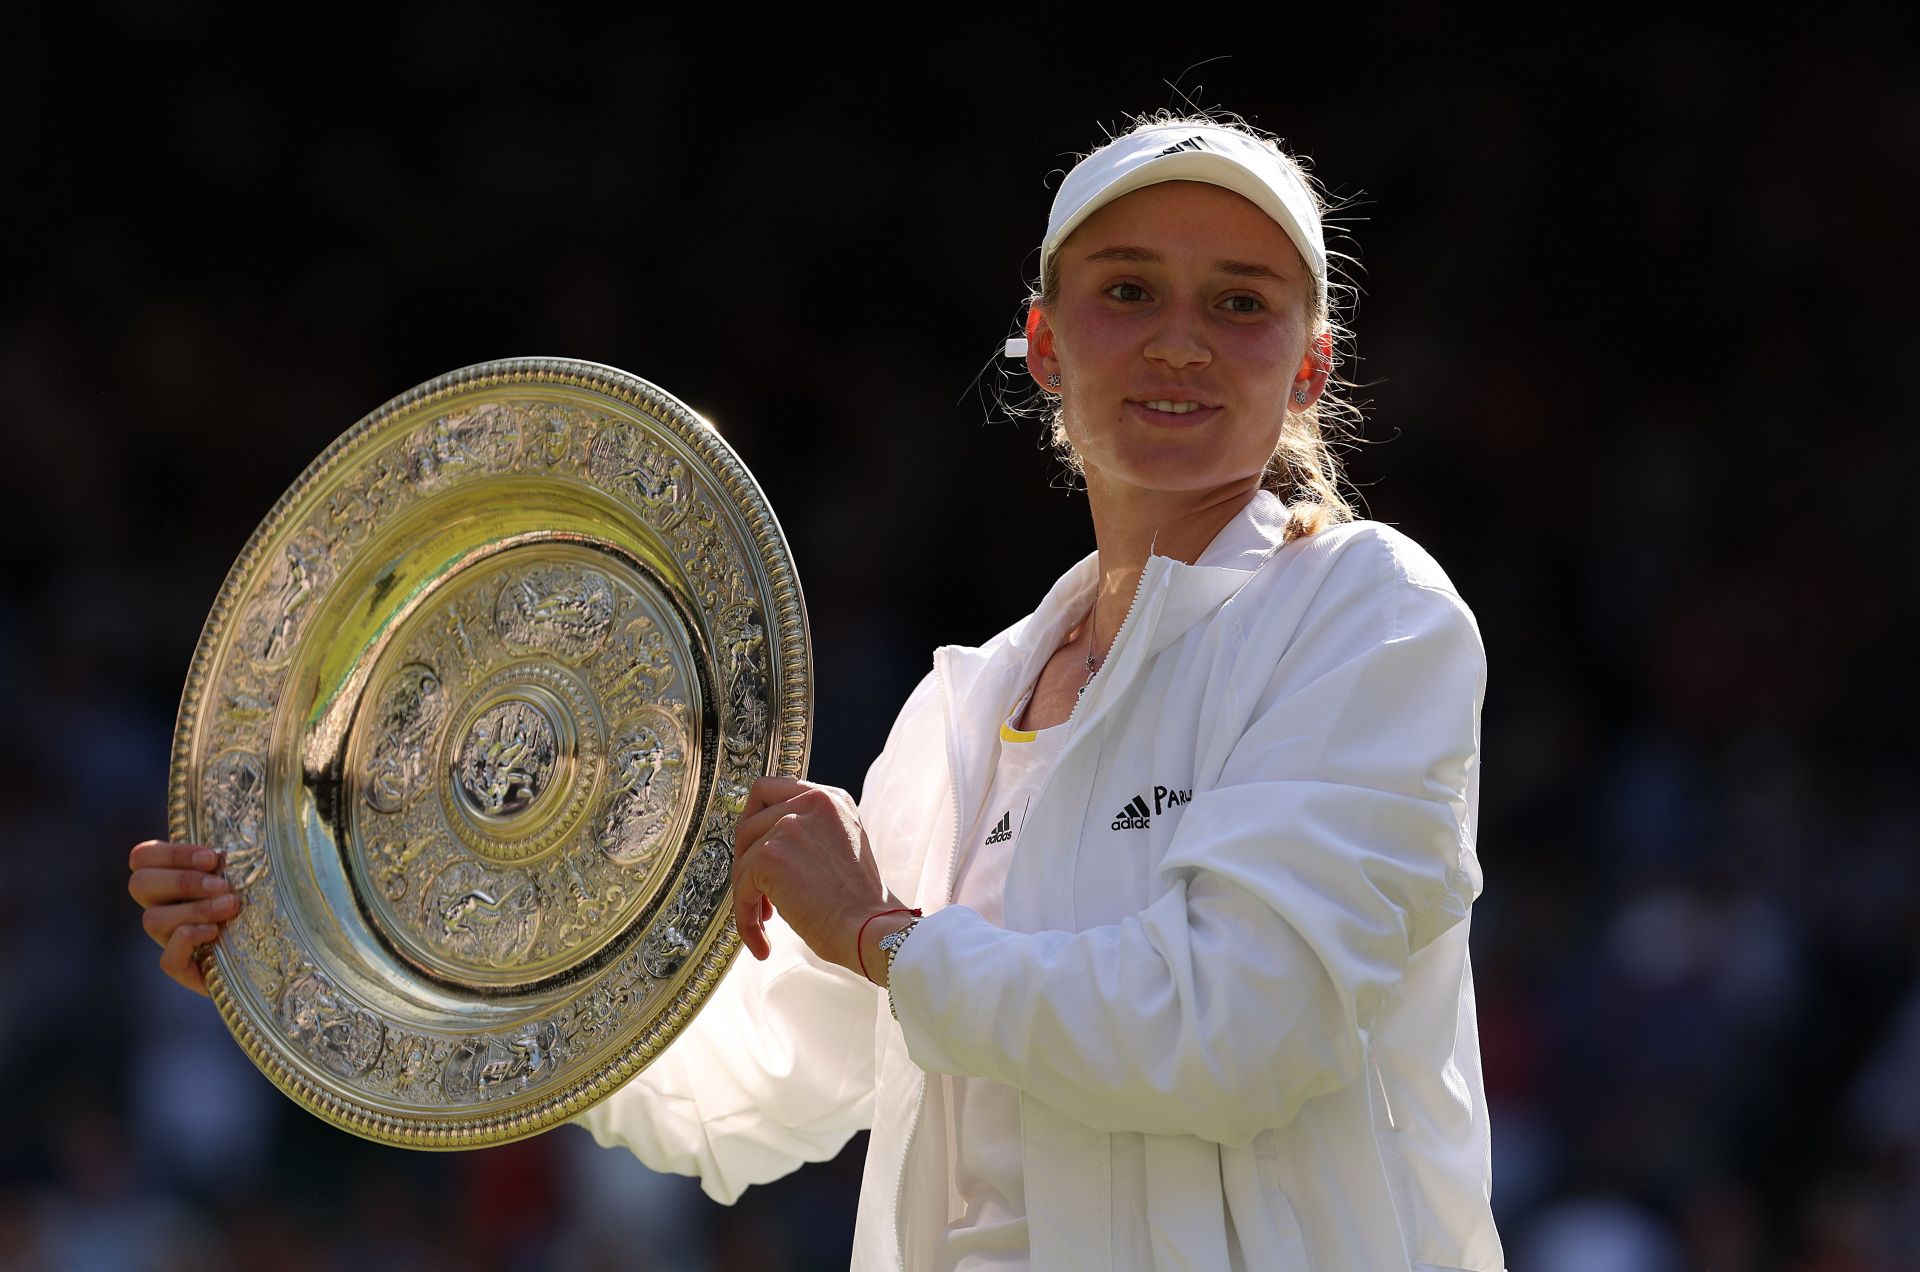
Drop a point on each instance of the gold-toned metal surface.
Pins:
(473, 718)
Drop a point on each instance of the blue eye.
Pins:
(1127, 291)
(1245, 304)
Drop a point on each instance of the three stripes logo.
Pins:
(1004, 831)
(1191, 143)
(1134, 816)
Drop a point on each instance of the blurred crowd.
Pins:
(1633, 316)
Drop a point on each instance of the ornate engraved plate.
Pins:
(473, 718)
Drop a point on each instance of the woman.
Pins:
(1167, 886)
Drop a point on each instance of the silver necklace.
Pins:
(1092, 644)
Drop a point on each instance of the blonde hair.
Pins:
(1304, 469)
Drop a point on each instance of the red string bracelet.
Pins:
(860, 941)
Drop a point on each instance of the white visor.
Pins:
(1190, 152)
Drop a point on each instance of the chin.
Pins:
(1176, 479)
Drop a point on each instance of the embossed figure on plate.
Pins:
(624, 460)
(546, 437)
(666, 947)
(481, 916)
(390, 859)
(235, 790)
(463, 442)
(299, 573)
(648, 761)
(743, 644)
(646, 666)
(411, 713)
(507, 759)
(560, 609)
(333, 1031)
(494, 1066)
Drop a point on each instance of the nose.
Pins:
(1179, 341)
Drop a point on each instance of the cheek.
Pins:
(1269, 354)
(1093, 350)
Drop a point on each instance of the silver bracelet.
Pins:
(890, 944)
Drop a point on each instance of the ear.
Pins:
(1313, 372)
(1042, 362)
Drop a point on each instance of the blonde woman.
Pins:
(1146, 943)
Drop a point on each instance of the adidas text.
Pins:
(1003, 831)
(1134, 816)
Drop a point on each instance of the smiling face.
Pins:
(1180, 332)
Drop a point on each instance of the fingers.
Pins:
(161, 922)
(183, 903)
(157, 853)
(153, 885)
(751, 910)
(767, 791)
(751, 907)
(755, 827)
(788, 830)
(177, 958)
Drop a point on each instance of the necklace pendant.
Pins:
(1091, 669)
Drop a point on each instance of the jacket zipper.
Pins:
(953, 860)
(953, 864)
(1139, 587)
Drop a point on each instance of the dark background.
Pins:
(1637, 327)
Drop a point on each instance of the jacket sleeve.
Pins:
(776, 1070)
(1336, 843)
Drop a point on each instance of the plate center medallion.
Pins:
(507, 759)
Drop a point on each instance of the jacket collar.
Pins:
(1195, 591)
(1172, 597)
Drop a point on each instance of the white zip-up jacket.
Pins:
(1241, 1025)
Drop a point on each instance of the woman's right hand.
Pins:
(186, 901)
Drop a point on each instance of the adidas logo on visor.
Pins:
(1004, 831)
(1191, 143)
(1134, 816)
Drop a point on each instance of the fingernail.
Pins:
(204, 859)
(212, 883)
(226, 904)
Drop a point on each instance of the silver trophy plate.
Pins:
(473, 719)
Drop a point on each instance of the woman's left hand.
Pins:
(800, 850)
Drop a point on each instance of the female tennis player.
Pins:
(1146, 943)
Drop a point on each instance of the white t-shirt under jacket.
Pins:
(971, 1127)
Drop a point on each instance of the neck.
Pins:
(1131, 524)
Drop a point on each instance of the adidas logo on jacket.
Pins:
(1135, 815)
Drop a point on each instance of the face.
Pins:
(1179, 335)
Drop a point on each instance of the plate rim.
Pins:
(790, 739)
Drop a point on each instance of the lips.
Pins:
(1172, 412)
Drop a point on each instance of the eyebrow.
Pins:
(1145, 256)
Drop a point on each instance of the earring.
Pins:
(1300, 396)
(1053, 381)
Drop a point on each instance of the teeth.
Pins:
(1177, 408)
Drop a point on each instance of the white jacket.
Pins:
(1241, 1026)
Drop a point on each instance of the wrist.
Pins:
(870, 960)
